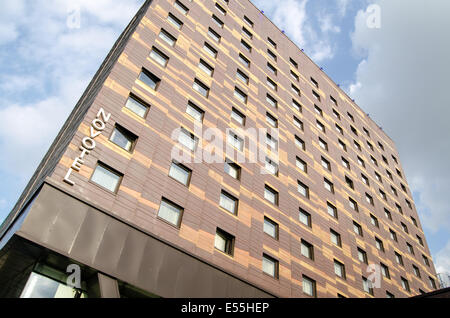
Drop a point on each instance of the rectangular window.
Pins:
(345, 163)
(272, 55)
(297, 106)
(314, 82)
(137, 106)
(235, 141)
(301, 165)
(217, 21)
(369, 199)
(416, 271)
(180, 173)
(365, 180)
(303, 189)
(351, 117)
(304, 217)
(247, 33)
(293, 63)
(320, 126)
(366, 131)
(405, 284)
(309, 286)
(353, 129)
(170, 212)
(232, 169)
(295, 90)
(332, 211)
(167, 37)
(336, 114)
(174, 21)
(242, 76)
(295, 76)
(221, 10)
(205, 67)
(272, 101)
(339, 269)
(357, 229)
(195, 112)
(410, 248)
(270, 266)
(379, 244)
(272, 84)
(385, 271)
(374, 221)
(316, 95)
(229, 202)
(307, 249)
(326, 164)
(357, 145)
(149, 79)
(419, 239)
(210, 50)
(106, 177)
(272, 68)
(244, 60)
(271, 142)
(367, 286)
(240, 95)
(404, 227)
(388, 214)
(271, 195)
(248, 21)
(342, 145)
(300, 143)
(353, 204)
(334, 101)
(270, 228)
(271, 120)
(328, 185)
(224, 242)
(123, 138)
(271, 167)
(181, 7)
(349, 183)
(238, 116)
(432, 283)
(246, 46)
(393, 235)
(362, 256)
(339, 129)
(271, 42)
(425, 260)
(298, 123)
(201, 88)
(335, 238)
(323, 144)
(214, 35)
(187, 139)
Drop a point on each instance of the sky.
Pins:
(391, 56)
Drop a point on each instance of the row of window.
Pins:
(204, 90)
(228, 202)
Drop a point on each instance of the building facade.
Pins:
(110, 204)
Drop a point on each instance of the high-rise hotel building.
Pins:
(110, 213)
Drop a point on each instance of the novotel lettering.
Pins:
(88, 143)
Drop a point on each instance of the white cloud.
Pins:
(46, 70)
(442, 259)
(342, 6)
(403, 83)
(326, 24)
(291, 16)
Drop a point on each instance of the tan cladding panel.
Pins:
(145, 171)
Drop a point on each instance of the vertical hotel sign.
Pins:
(88, 143)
